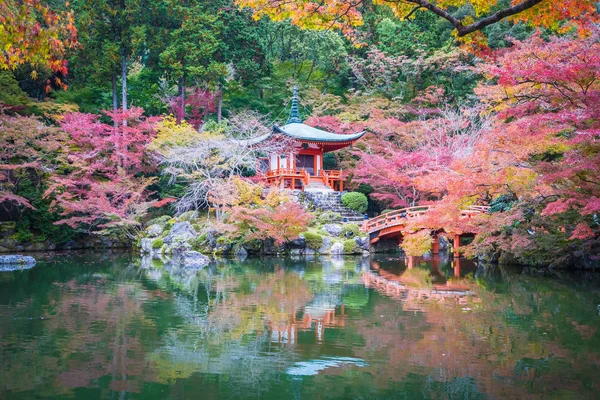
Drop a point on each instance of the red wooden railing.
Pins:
(399, 217)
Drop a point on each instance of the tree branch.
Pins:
(482, 23)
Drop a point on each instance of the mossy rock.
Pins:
(157, 243)
(329, 217)
(161, 221)
(350, 230)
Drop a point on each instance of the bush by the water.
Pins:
(313, 240)
(355, 201)
(350, 246)
(157, 243)
(417, 244)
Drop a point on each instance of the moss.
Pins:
(157, 243)
(161, 221)
(350, 246)
(350, 230)
(329, 217)
(200, 243)
(313, 240)
(355, 201)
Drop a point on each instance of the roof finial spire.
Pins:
(294, 113)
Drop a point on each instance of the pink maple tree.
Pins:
(104, 187)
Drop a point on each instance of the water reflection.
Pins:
(386, 327)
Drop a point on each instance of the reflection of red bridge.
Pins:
(392, 225)
(395, 286)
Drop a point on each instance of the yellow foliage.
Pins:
(172, 134)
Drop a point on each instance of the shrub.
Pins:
(200, 242)
(313, 240)
(350, 230)
(417, 244)
(355, 201)
(350, 246)
(329, 217)
(157, 243)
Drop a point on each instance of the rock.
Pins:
(270, 247)
(337, 249)
(146, 246)
(15, 262)
(154, 231)
(363, 242)
(326, 246)
(224, 248)
(193, 260)
(180, 232)
(296, 252)
(333, 229)
(179, 248)
(240, 252)
(309, 252)
(299, 243)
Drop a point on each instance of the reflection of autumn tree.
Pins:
(258, 299)
(525, 338)
(93, 328)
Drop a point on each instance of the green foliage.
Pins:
(38, 223)
(157, 243)
(200, 242)
(355, 201)
(10, 92)
(313, 240)
(350, 230)
(329, 217)
(350, 246)
(502, 203)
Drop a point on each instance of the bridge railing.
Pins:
(397, 217)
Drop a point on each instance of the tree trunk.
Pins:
(124, 82)
(115, 100)
(181, 90)
(220, 103)
(115, 104)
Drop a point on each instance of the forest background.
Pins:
(462, 108)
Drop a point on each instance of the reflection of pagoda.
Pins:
(317, 317)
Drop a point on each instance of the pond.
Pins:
(114, 326)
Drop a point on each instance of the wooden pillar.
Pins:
(293, 183)
(456, 246)
(411, 262)
(435, 246)
(341, 185)
(456, 264)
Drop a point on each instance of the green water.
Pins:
(110, 326)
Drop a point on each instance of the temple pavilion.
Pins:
(302, 167)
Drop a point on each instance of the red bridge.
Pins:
(392, 225)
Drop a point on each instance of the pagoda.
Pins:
(302, 167)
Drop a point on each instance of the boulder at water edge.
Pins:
(180, 232)
(15, 262)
